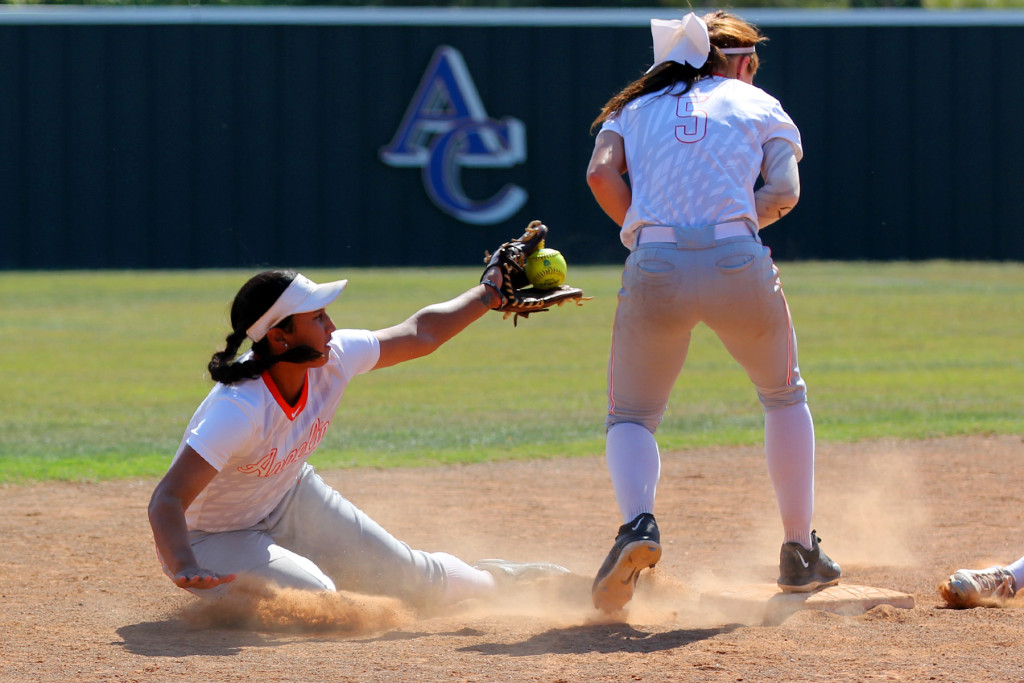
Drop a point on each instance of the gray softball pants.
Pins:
(733, 287)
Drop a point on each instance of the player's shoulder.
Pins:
(750, 100)
(643, 101)
(745, 90)
(354, 351)
(246, 395)
(233, 404)
(346, 341)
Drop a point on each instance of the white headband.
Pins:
(737, 50)
(683, 41)
(302, 296)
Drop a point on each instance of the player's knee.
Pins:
(648, 421)
(296, 572)
(782, 397)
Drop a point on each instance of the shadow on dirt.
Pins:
(413, 635)
(603, 638)
(173, 638)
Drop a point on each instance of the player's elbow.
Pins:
(162, 507)
(787, 200)
(428, 331)
(781, 189)
(792, 198)
(601, 179)
(771, 206)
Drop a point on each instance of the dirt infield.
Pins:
(83, 599)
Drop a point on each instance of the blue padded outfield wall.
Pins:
(220, 137)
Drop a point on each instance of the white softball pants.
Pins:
(317, 540)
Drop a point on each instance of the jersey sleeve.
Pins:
(779, 125)
(612, 124)
(225, 428)
(358, 350)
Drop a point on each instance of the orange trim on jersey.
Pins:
(291, 411)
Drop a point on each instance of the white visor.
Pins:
(302, 296)
(737, 50)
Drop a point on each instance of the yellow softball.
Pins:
(546, 269)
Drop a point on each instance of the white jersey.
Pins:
(258, 443)
(693, 159)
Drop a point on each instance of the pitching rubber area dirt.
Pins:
(82, 597)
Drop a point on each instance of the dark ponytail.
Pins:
(662, 76)
(253, 300)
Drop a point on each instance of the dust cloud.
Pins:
(258, 606)
(874, 517)
(561, 602)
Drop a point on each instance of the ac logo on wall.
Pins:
(446, 129)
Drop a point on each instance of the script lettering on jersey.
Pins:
(445, 129)
(269, 465)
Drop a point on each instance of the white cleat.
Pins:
(508, 574)
(978, 587)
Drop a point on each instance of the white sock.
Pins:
(789, 452)
(1017, 569)
(463, 580)
(635, 466)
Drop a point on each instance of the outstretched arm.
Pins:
(189, 475)
(432, 326)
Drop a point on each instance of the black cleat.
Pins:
(802, 570)
(637, 547)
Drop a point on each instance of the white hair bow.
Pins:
(684, 41)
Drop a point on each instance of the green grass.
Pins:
(102, 370)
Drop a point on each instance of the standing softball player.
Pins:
(240, 498)
(693, 134)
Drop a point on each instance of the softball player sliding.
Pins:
(694, 134)
(240, 498)
(990, 587)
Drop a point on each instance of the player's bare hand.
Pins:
(200, 579)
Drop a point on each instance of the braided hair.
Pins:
(253, 300)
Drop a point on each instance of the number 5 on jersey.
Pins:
(695, 121)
